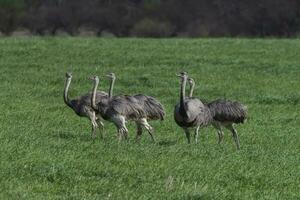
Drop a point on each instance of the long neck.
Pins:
(111, 87)
(182, 94)
(192, 86)
(66, 92)
(93, 100)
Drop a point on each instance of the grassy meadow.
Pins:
(47, 151)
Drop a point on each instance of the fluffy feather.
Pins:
(227, 111)
(196, 113)
(152, 107)
(126, 106)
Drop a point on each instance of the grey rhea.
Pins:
(190, 112)
(117, 109)
(82, 105)
(153, 109)
(225, 113)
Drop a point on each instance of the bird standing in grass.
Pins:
(117, 109)
(82, 105)
(225, 113)
(153, 109)
(190, 112)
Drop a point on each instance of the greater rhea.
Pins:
(153, 109)
(117, 109)
(82, 105)
(225, 113)
(190, 112)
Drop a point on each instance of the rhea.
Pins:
(190, 112)
(82, 105)
(225, 113)
(117, 109)
(153, 109)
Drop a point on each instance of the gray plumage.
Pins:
(118, 109)
(153, 109)
(126, 106)
(227, 111)
(224, 113)
(194, 114)
(82, 105)
(190, 112)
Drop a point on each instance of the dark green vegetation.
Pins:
(47, 151)
(152, 18)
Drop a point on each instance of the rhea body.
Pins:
(82, 105)
(117, 109)
(153, 109)
(225, 113)
(190, 112)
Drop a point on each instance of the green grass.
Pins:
(47, 151)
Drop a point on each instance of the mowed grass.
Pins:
(47, 152)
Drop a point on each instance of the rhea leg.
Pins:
(220, 132)
(92, 118)
(139, 131)
(94, 128)
(196, 134)
(119, 121)
(125, 133)
(100, 126)
(188, 135)
(143, 122)
(235, 135)
(220, 135)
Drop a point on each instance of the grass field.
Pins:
(47, 151)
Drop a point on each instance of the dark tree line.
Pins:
(153, 18)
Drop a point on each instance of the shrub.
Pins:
(151, 28)
(10, 14)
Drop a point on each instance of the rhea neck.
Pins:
(192, 86)
(93, 100)
(111, 87)
(66, 92)
(182, 94)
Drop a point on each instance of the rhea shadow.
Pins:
(71, 136)
(167, 143)
(66, 136)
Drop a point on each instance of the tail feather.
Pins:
(127, 106)
(228, 111)
(153, 108)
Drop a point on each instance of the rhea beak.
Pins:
(68, 74)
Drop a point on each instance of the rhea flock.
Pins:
(153, 109)
(190, 112)
(225, 113)
(82, 106)
(117, 109)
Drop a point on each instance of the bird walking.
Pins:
(82, 105)
(190, 112)
(153, 109)
(225, 113)
(117, 109)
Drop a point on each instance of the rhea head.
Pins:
(183, 76)
(95, 78)
(191, 81)
(111, 76)
(68, 75)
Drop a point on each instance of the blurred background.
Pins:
(151, 18)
